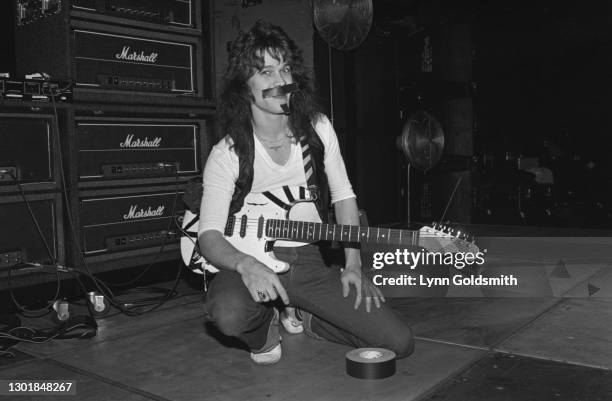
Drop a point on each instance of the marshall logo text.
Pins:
(140, 143)
(128, 55)
(141, 213)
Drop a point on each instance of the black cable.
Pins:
(36, 313)
(164, 299)
(33, 313)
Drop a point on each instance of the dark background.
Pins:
(509, 82)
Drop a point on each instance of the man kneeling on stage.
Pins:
(278, 148)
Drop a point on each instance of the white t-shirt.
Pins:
(221, 173)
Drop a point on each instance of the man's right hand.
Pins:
(261, 281)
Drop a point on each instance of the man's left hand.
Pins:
(363, 286)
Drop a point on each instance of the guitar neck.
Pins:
(308, 231)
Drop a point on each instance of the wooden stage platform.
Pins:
(554, 347)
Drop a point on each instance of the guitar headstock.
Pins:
(442, 238)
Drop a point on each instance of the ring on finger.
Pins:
(262, 295)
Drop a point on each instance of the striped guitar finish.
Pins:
(261, 222)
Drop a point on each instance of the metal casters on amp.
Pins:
(99, 304)
(62, 310)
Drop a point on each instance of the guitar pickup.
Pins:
(229, 227)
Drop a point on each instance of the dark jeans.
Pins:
(315, 288)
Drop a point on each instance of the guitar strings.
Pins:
(250, 228)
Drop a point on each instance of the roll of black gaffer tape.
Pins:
(370, 363)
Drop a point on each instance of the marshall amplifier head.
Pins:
(106, 60)
(27, 151)
(115, 224)
(177, 13)
(115, 64)
(123, 150)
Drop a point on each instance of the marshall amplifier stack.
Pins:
(130, 174)
(137, 126)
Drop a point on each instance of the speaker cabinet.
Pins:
(21, 241)
(28, 152)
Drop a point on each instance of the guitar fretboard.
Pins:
(308, 231)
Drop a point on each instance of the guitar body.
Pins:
(256, 206)
(190, 253)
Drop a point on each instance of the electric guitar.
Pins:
(289, 214)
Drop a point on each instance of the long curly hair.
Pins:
(246, 56)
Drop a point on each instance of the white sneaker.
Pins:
(290, 322)
(268, 357)
(273, 354)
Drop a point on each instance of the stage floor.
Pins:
(554, 347)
